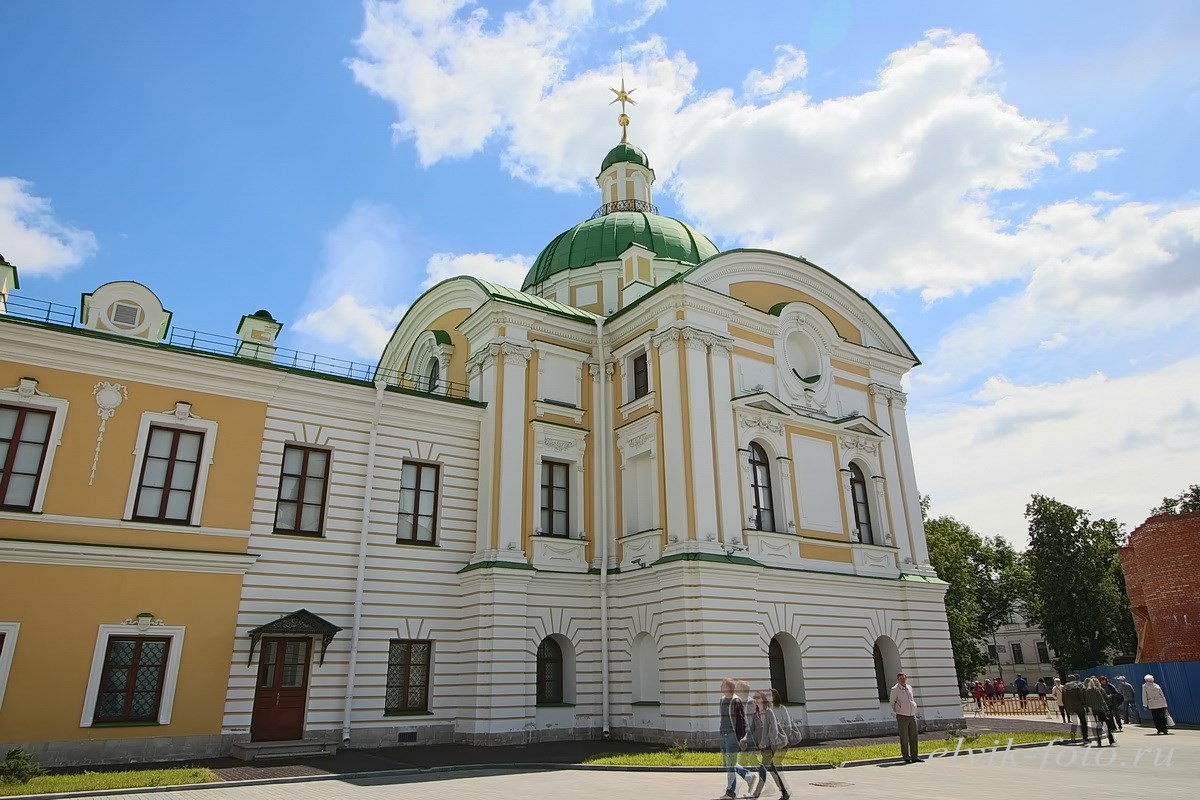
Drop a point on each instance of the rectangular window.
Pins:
(556, 502)
(24, 434)
(641, 379)
(1018, 655)
(132, 680)
(169, 470)
(993, 654)
(418, 503)
(407, 676)
(1043, 653)
(302, 481)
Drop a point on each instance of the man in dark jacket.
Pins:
(1076, 706)
(1113, 695)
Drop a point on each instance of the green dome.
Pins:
(605, 238)
(624, 153)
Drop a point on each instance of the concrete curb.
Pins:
(867, 762)
(396, 773)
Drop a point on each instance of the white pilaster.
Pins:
(704, 487)
(725, 443)
(511, 444)
(671, 464)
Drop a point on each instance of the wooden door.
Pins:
(282, 689)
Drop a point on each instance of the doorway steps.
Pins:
(299, 748)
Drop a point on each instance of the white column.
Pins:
(671, 465)
(848, 504)
(725, 444)
(482, 369)
(881, 503)
(785, 519)
(704, 485)
(891, 500)
(908, 481)
(511, 448)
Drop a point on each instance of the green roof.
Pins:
(504, 294)
(625, 153)
(606, 238)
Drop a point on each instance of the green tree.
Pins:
(986, 576)
(1074, 590)
(1187, 501)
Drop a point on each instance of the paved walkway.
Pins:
(1143, 765)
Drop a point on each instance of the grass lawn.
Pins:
(682, 757)
(92, 781)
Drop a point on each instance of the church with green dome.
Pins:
(560, 511)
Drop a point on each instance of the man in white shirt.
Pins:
(905, 706)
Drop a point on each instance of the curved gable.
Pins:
(442, 308)
(766, 280)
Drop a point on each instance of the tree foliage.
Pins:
(986, 576)
(1187, 501)
(1075, 590)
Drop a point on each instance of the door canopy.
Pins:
(297, 623)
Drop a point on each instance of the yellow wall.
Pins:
(231, 478)
(60, 609)
(763, 296)
(842, 555)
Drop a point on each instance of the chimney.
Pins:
(257, 332)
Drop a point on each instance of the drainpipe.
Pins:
(602, 441)
(361, 573)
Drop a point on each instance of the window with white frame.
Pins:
(134, 675)
(31, 425)
(862, 505)
(419, 482)
(557, 494)
(171, 463)
(8, 646)
(556, 498)
(760, 486)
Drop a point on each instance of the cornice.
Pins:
(18, 551)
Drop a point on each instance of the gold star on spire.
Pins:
(623, 97)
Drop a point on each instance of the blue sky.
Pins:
(1014, 184)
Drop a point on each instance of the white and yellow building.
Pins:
(565, 511)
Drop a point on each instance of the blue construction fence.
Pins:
(1180, 681)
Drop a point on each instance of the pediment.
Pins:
(859, 424)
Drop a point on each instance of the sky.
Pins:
(1014, 185)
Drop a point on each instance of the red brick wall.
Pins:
(1162, 573)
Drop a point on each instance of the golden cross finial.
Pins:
(623, 97)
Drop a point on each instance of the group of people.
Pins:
(759, 725)
(1105, 702)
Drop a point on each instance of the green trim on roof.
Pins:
(498, 565)
(507, 295)
(904, 576)
(440, 336)
(606, 237)
(778, 308)
(713, 557)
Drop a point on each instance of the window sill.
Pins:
(555, 705)
(300, 534)
(408, 713)
(143, 724)
(636, 404)
(171, 523)
(645, 704)
(411, 543)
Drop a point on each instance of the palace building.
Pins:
(560, 512)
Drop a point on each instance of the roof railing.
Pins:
(624, 205)
(61, 315)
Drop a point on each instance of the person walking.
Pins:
(1113, 695)
(1155, 699)
(978, 693)
(764, 734)
(1129, 696)
(1057, 693)
(733, 728)
(1097, 701)
(905, 707)
(1040, 690)
(1022, 687)
(1076, 705)
(747, 771)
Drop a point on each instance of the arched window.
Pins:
(887, 666)
(760, 482)
(434, 375)
(862, 509)
(778, 669)
(549, 672)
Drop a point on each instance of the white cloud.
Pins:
(33, 240)
(1106, 444)
(363, 329)
(643, 10)
(1087, 161)
(1054, 342)
(790, 64)
(1107, 197)
(505, 270)
(365, 262)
